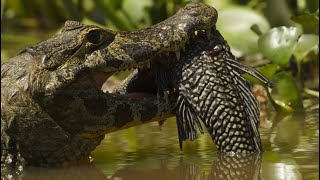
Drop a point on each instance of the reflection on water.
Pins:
(79, 172)
(148, 152)
(236, 167)
(224, 167)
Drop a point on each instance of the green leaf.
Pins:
(306, 44)
(114, 16)
(219, 4)
(309, 22)
(278, 44)
(234, 24)
(312, 6)
(136, 9)
(285, 93)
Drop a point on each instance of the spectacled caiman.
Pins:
(53, 111)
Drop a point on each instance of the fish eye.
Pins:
(94, 37)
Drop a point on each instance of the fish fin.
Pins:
(253, 72)
(253, 111)
(252, 108)
(187, 121)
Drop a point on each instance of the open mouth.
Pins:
(147, 85)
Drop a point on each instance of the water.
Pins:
(150, 152)
(291, 152)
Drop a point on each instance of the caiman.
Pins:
(54, 112)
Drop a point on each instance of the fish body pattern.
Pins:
(212, 91)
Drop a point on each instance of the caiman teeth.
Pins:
(209, 34)
(173, 90)
(183, 48)
(148, 65)
(145, 66)
(166, 95)
(177, 54)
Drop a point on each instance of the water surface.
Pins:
(152, 152)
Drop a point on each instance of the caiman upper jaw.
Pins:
(137, 48)
(104, 60)
(100, 75)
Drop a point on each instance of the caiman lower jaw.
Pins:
(166, 105)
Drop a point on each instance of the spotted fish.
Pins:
(212, 91)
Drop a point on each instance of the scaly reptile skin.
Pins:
(53, 112)
(27, 131)
(131, 49)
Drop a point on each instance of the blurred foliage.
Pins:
(285, 32)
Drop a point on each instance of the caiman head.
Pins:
(32, 77)
(58, 61)
(53, 109)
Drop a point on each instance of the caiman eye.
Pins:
(94, 37)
